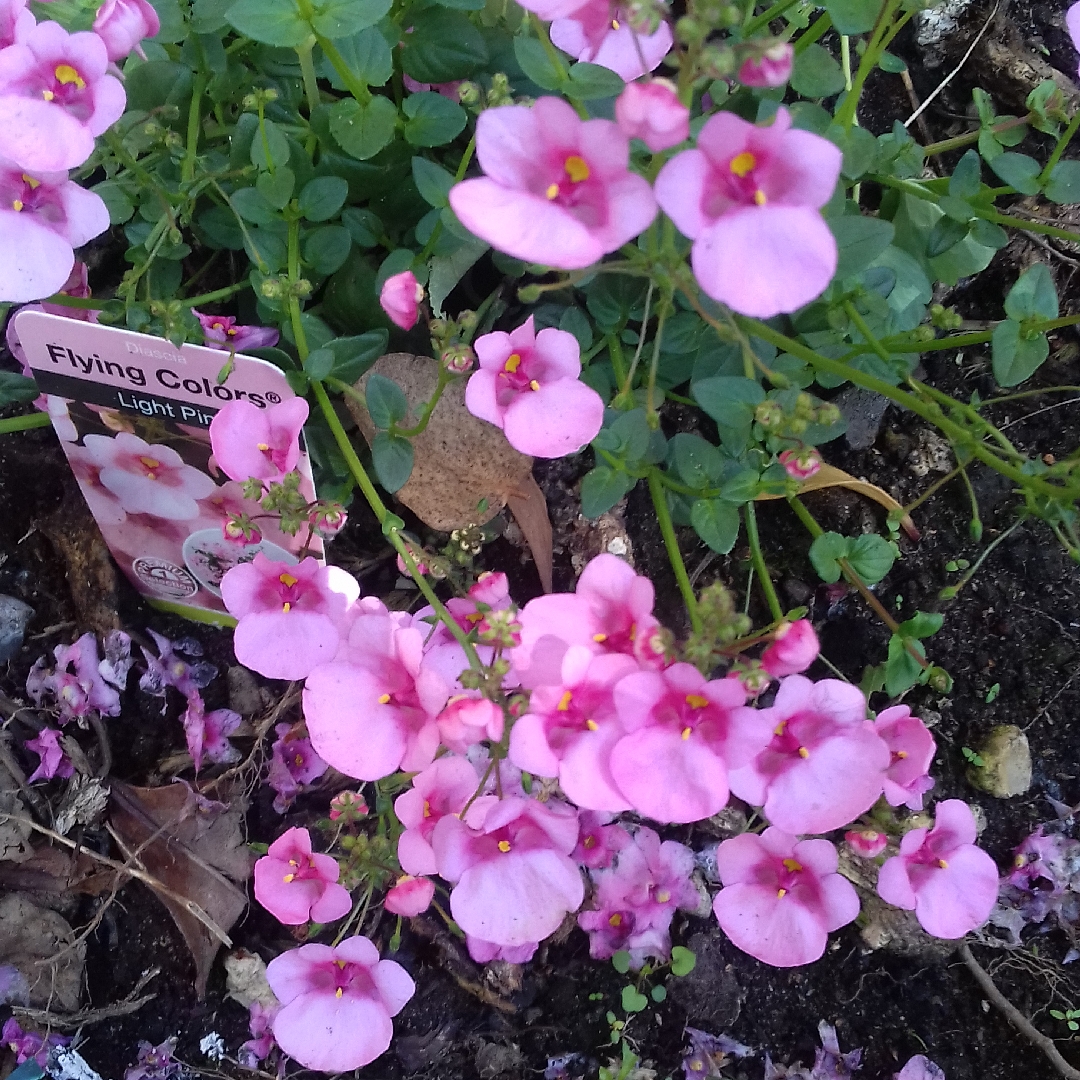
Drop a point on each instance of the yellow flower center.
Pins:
(793, 865)
(504, 846)
(592, 725)
(34, 184)
(288, 580)
(17, 205)
(943, 864)
(564, 702)
(781, 893)
(577, 169)
(686, 733)
(759, 197)
(150, 463)
(599, 638)
(742, 164)
(289, 877)
(48, 95)
(286, 607)
(552, 191)
(588, 842)
(66, 75)
(615, 920)
(663, 896)
(614, 24)
(384, 699)
(803, 752)
(696, 701)
(513, 361)
(263, 447)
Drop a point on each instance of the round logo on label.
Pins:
(165, 578)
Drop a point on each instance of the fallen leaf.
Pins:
(460, 461)
(50, 870)
(30, 934)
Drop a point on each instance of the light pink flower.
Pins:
(290, 615)
(43, 218)
(528, 385)
(557, 188)
(222, 332)
(781, 896)
(468, 720)
(940, 874)
(260, 443)
(772, 67)
(293, 763)
(122, 25)
(509, 861)
(207, 733)
(336, 1003)
(598, 839)
(1072, 24)
(748, 197)
(684, 733)
(599, 33)
(652, 112)
(400, 299)
(793, 649)
(825, 764)
(866, 843)
(801, 464)
(15, 21)
(55, 96)
(912, 748)
(444, 787)
(410, 896)
(54, 762)
(296, 886)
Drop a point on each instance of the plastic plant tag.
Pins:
(133, 414)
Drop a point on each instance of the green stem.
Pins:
(198, 88)
(24, 423)
(767, 587)
(818, 28)
(861, 326)
(623, 396)
(311, 79)
(1062, 143)
(845, 115)
(428, 409)
(436, 232)
(766, 17)
(557, 62)
(355, 86)
(219, 294)
(651, 416)
(951, 591)
(618, 360)
(671, 543)
(970, 137)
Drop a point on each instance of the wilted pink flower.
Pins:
(28, 1044)
(557, 188)
(290, 615)
(483, 952)
(444, 787)
(801, 464)
(260, 1023)
(793, 649)
(15, 21)
(81, 681)
(748, 197)
(410, 896)
(207, 733)
(336, 1003)
(221, 331)
(652, 112)
(509, 861)
(866, 843)
(54, 762)
(293, 763)
(169, 668)
(940, 874)
(122, 25)
(912, 748)
(55, 96)
(599, 33)
(528, 385)
(920, 1067)
(781, 896)
(296, 885)
(684, 733)
(772, 67)
(261, 443)
(156, 1062)
(825, 764)
(598, 839)
(400, 299)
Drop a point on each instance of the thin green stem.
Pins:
(767, 587)
(845, 115)
(651, 416)
(976, 525)
(24, 423)
(818, 28)
(958, 142)
(950, 592)
(557, 62)
(618, 360)
(753, 25)
(436, 232)
(219, 294)
(429, 407)
(1059, 149)
(625, 389)
(868, 336)
(355, 86)
(311, 79)
(671, 543)
(198, 88)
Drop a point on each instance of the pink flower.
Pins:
(410, 896)
(15, 21)
(684, 734)
(94, 683)
(528, 385)
(54, 762)
(801, 464)
(43, 217)
(557, 189)
(781, 896)
(207, 733)
(29, 1044)
(290, 615)
(296, 886)
(920, 1067)
(940, 874)
(444, 787)
(771, 68)
(509, 861)
(825, 764)
(599, 33)
(258, 1047)
(400, 299)
(55, 97)
(912, 748)
(468, 720)
(748, 197)
(336, 1003)
(598, 839)
(1072, 23)
(221, 332)
(122, 25)
(866, 843)
(261, 443)
(293, 763)
(148, 479)
(793, 649)
(652, 112)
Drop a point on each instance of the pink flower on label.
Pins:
(599, 33)
(55, 96)
(772, 67)
(912, 748)
(825, 764)
(866, 843)
(221, 332)
(509, 861)
(598, 839)
(941, 875)
(444, 787)
(782, 896)
(207, 733)
(801, 464)
(652, 112)
(263, 444)
(336, 1003)
(400, 298)
(793, 649)
(684, 733)
(557, 189)
(410, 896)
(15, 21)
(528, 385)
(749, 198)
(296, 885)
(122, 25)
(148, 479)
(54, 762)
(290, 614)
(43, 218)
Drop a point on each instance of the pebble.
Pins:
(14, 616)
(1006, 768)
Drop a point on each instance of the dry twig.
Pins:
(125, 1007)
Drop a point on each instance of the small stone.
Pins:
(1006, 768)
(14, 616)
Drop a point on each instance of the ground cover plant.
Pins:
(587, 310)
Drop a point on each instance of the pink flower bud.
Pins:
(771, 68)
(327, 521)
(801, 464)
(866, 843)
(410, 895)
(240, 532)
(458, 359)
(400, 299)
(348, 806)
(122, 24)
(421, 566)
(794, 648)
(653, 113)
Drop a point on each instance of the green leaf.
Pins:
(922, 624)
(1016, 357)
(157, 83)
(593, 81)
(892, 64)
(824, 553)
(729, 399)
(988, 234)
(275, 144)
(386, 402)
(658, 994)
(601, 488)
(252, 206)
(208, 16)
(16, 388)
(444, 46)
(354, 355)
(716, 522)
(859, 240)
(632, 1000)
(697, 462)
(463, 5)
(853, 16)
(364, 225)
(363, 130)
(320, 199)
(319, 363)
(341, 18)
(1018, 171)
(871, 557)
(276, 187)
(433, 119)
(272, 22)
(432, 181)
(534, 60)
(392, 457)
(902, 670)
(620, 961)
(575, 321)
(1033, 296)
(860, 150)
(946, 233)
(325, 250)
(683, 960)
(298, 382)
(366, 54)
(116, 200)
(816, 74)
(966, 180)
(1064, 183)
